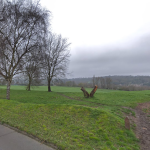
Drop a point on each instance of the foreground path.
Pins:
(142, 121)
(12, 140)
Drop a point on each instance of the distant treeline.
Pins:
(128, 83)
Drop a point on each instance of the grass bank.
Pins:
(69, 126)
(70, 121)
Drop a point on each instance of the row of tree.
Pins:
(108, 82)
(101, 82)
(27, 46)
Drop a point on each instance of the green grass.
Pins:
(39, 95)
(77, 123)
(54, 88)
(69, 126)
(44, 88)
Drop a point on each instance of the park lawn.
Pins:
(70, 121)
(44, 88)
(54, 88)
(114, 97)
(39, 95)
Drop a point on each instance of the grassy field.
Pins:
(70, 121)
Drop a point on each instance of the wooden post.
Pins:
(93, 91)
(127, 123)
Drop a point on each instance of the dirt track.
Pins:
(142, 122)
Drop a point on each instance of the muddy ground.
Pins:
(142, 121)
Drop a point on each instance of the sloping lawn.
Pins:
(69, 127)
(68, 120)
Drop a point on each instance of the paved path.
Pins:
(12, 140)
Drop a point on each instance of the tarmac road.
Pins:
(12, 140)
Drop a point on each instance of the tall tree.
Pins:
(102, 82)
(108, 82)
(93, 80)
(23, 25)
(32, 69)
(56, 58)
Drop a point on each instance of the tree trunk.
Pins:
(49, 86)
(93, 91)
(29, 84)
(28, 87)
(86, 94)
(8, 89)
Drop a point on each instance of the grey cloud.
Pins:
(131, 60)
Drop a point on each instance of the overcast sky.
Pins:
(109, 37)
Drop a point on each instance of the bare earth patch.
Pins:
(142, 122)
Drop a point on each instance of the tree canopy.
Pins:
(23, 26)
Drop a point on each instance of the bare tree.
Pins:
(32, 69)
(97, 79)
(22, 26)
(93, 80)
(56, 58)
(102, 81)
(108, 82)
